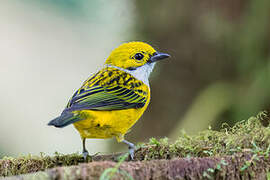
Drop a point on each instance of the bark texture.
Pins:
(240, 166)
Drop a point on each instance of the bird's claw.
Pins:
(131, 152)
(85, 155)
(131, 148)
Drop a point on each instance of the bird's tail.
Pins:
(65, 119)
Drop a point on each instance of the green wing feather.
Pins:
(105, 91)
(106, 98)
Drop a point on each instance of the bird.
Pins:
(112, 100)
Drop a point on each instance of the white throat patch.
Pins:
(141, 73)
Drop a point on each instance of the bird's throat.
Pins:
(141, 73)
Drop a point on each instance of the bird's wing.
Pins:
(109, 89)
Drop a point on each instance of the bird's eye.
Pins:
(138, 56)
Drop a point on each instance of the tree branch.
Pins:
(240, 166)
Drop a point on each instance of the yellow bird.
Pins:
(111, 101)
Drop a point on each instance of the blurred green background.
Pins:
(219, 70)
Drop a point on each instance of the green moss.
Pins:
(26, 164)
(246, 136)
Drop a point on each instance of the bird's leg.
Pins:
(85, 152)
(131, 148)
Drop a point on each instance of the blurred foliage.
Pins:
(80, 10)
(219, 70)
(73, 5)
(68, 7)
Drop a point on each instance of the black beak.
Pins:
(158, 56)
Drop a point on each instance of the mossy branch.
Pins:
(240, 152)
(241, 166)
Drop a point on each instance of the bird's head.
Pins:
(133, 55)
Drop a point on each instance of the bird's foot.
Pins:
(85, 155)
(131, 152)
(131, 148)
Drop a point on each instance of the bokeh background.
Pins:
(219, 70)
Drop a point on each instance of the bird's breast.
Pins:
(108, 124)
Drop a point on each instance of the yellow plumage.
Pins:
(111, 101)
(108, 124)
